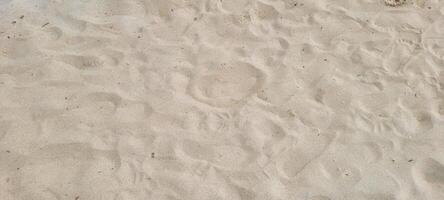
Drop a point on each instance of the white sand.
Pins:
(221, 100)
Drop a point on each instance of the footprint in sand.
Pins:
(82, 62)
(411, 124)
(433, 172)
(429, 178)
(225, 84)
(395, 3)
(64, 171)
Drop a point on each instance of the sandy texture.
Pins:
(221, 100)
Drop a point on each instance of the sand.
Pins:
(221, 100)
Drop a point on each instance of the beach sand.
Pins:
(221, 100)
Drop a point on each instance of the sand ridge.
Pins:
(221, 100)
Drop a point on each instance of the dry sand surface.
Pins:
(221, 99)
